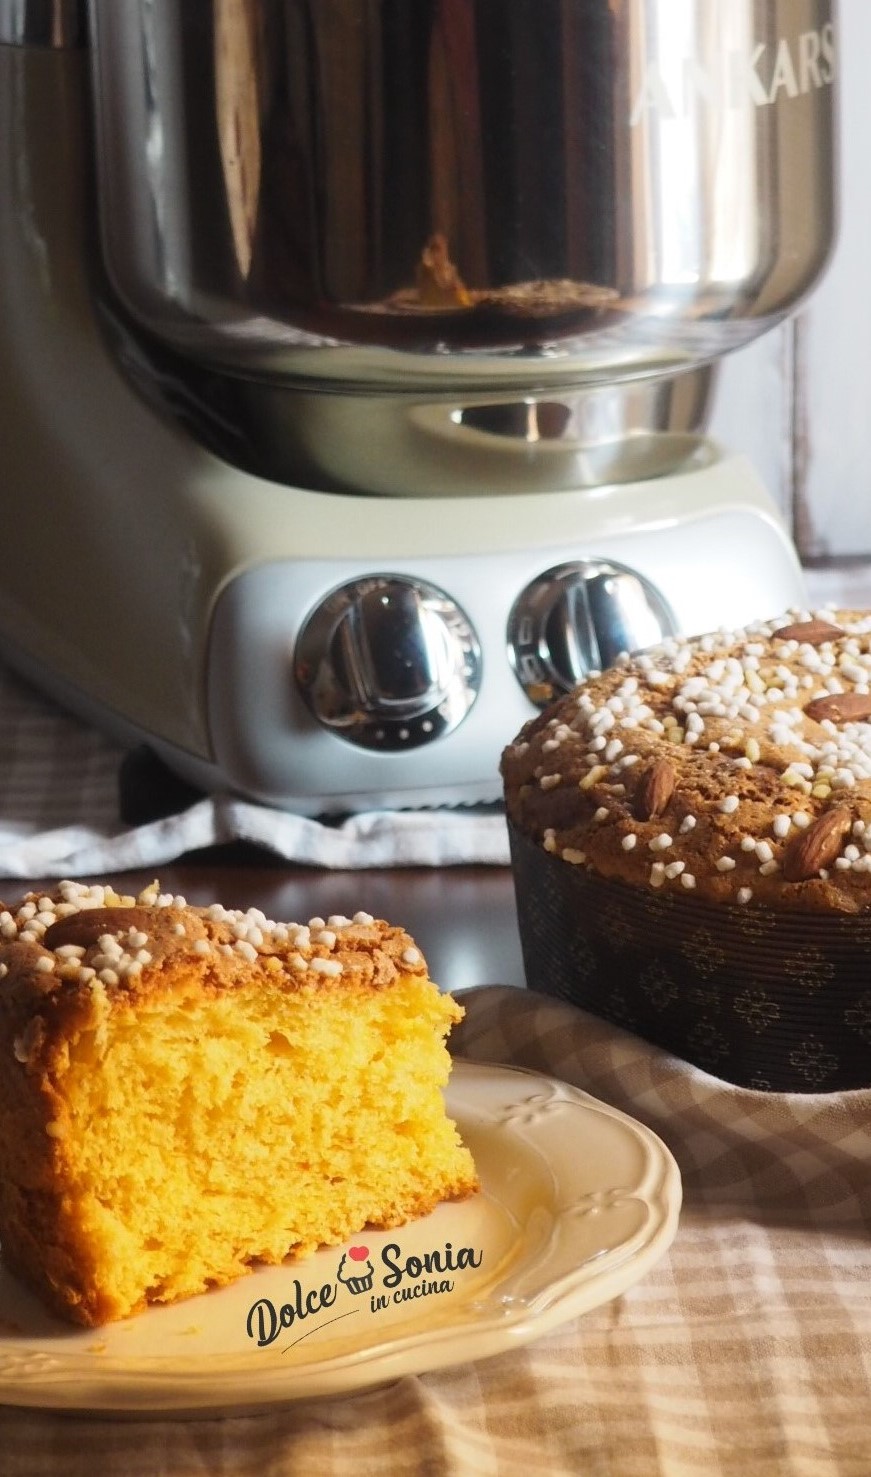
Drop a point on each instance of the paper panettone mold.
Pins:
(781, 1004)
(691, 845)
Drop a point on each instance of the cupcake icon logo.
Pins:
(356, 1270)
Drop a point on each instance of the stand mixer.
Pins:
(356, 355)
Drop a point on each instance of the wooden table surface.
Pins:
(463, 918)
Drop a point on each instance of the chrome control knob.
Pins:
(388, 662)
(577, 618)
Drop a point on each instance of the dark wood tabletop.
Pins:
(463, 918)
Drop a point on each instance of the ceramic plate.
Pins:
(577, 1203)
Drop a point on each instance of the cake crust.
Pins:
(62, 956)
(735, 767)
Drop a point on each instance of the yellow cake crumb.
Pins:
(199, 1090)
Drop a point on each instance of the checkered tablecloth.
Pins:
(61, 813)
(746, 1352)
(806, 1156)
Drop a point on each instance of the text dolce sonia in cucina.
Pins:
(404, 1278)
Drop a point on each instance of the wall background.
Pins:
(798, 401)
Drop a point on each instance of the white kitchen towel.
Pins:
(60, 813)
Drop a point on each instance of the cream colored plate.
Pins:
(577, 1203)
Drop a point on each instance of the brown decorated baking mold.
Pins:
(780, 1002)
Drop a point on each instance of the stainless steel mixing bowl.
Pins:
(465, 201)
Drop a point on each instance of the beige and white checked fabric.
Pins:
(806, 1156)
(60, 812)
(746, 1352)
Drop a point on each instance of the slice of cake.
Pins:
(185, 1092)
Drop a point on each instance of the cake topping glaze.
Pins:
(737, 765)
(84, 935)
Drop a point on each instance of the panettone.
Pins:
(691, 837)
(185, 1092)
